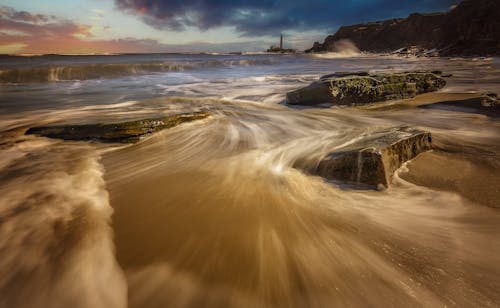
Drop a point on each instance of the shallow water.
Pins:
(217, 213)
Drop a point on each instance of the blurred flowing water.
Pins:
(214, 213)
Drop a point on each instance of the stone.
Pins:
(490, 100)
(373, 159)
(123, 132)
(359, 88)
(486, 104)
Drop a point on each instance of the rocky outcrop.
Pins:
(487, 104)
(358, 88)
(471, 28)
(124, 132)
(373, 159)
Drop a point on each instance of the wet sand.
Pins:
(475, 181)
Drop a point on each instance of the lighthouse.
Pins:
(281, 48)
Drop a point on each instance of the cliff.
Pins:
(471, 28)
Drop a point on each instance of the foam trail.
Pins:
(228, 219)
(55, 240)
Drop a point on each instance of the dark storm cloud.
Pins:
(261, 17)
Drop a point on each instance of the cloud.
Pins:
(270, 17)
(14, 22)
(8, 13)
(12, 48)
(22, 32)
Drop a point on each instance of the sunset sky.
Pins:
(116, 26)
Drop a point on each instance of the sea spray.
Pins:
(341, 49)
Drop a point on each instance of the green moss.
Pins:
(125, 132)
(347, 89)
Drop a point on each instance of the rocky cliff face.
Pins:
(472, 28)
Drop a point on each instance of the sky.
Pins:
(142, 26)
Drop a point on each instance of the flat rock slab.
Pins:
(359, 88)
(124, 132)
(373, 159)
(488, 104)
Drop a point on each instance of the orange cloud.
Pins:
(11, 48)
(83, 31)
(23, 32)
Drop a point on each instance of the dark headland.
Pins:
(472, 28)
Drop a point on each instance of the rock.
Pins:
(345, 74)
(274, 49)
(360, 88)
(472, 28)
(490, 100)
(415, 51)
(373, 159)
(317, 47)
(487, 104)
(124, 132)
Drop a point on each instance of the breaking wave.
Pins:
(108, 71)
(341, 49)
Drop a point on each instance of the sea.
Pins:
(216, 213)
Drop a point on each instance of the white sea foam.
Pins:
(341, 49)
(55, 240)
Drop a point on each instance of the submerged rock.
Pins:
(125, 132)
(360, 88)
(373, 159)
(487, 104)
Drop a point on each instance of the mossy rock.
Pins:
(361, 88)
(123, 132)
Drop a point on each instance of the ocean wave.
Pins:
(108, 71)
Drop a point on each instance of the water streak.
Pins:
(224, 212)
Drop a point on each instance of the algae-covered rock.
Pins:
(125, 132)
(360, 88)
(373, 159)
